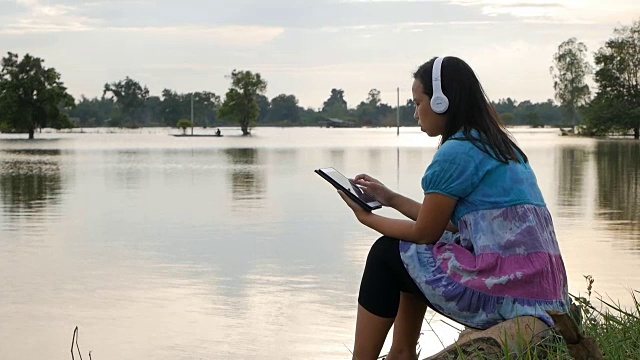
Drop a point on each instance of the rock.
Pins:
(513, 336)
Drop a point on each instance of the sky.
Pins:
(305, 47)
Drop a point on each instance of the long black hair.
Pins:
(470, 109)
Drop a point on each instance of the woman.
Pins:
(480, 248)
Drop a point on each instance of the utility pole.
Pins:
(398, 114)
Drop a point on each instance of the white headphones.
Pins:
(439, 102)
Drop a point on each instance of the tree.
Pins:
(284, 110)
(205, 106)
(92, 112)
(152, 112)
(240, 103)
(507, 118)
(264, 106)
(368, 112)
(32, 96)
(373, 98)
(407, 113)
(174, 107)
(130, 98)
(507, 105)
(184, 124)
(618, 79)
(336, 105)
(569, 72)
(533, 119)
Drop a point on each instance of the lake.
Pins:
(226, 248)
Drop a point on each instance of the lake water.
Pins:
(226, 248)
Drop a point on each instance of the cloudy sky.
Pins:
(304, 47)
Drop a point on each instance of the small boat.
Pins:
(197, 135)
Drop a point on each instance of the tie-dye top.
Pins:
(505, 261)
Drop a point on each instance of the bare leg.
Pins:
(406, 329)
(371, 331)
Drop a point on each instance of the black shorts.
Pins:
(384, 278)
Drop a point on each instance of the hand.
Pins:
(375, 188)
(357, 209)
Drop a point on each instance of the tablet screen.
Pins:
(349, 185)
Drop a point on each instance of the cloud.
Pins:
(557, 11)
(39, 18)
(272, 13)
(304, 47)
(404, 26)
(68, 17)
(222, 35)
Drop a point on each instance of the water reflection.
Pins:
(618, 171)
(210, 253)
(571, 176)
(285, 160)
(336, 157)
(129, 170)
(30, 181)
(374, 159)
(246, 175)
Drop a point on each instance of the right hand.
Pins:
(375, 188)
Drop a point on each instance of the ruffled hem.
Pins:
(465, 305)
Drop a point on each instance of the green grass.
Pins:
(615, 328)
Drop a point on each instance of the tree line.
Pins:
(33, 96)
(128, 103)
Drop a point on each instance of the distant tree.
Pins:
(507, 105)
(550, 113)
(240, 103)
(617, 104)
(176, 106)
(369, 112)
(507, 118)
(569, 72)
(311, 117)
(130, 98)
(32, 96)
(184, 124)
(264, 105)
(407, 113)
(373, 97)
(206, 106)
(284, 110)
(173, 107)
(335, 106)
(152, 111)
(92, 112)
(533, 119)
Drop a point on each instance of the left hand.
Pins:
(357, 209)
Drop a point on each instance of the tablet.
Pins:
(350, 188)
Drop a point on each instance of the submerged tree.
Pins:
(240, 103)
(32, 96)
(617, 104)
(569, 72)
(184, 124)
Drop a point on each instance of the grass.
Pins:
(615, 328)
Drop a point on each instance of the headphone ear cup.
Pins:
(439, 103)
